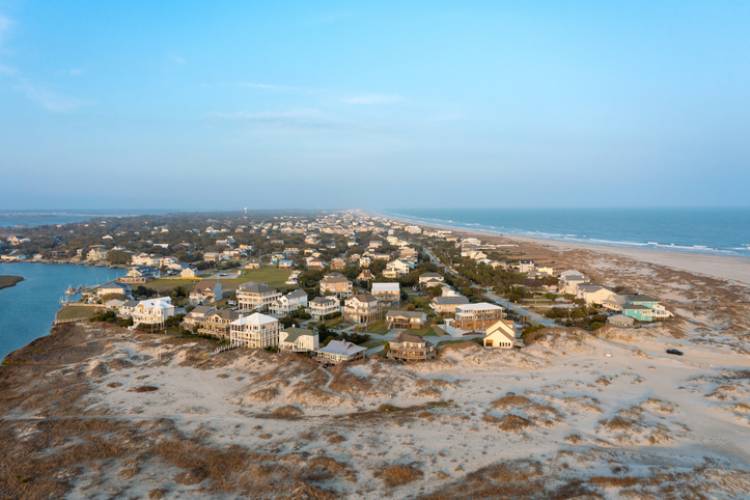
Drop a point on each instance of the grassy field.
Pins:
(71, 312)
(377, 327)
(271, 275)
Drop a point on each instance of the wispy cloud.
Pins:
(310, 118)
(47, 98)
(370, 99)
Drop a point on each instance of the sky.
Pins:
(224, 105)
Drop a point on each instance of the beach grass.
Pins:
(76, 312)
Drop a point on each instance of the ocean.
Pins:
(28, 309)
(724, 231)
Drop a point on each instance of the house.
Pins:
(112, 289)
(139, 274)
(569, 281)
(338, 264)
(252, 295)
(387, 293)
(406, 319)
(205, 292)
(340, 351)
(524, 266)
(336, 284)
(256, 331)
(288, 303)
(125, 310)
(315, 263)
(187, 273)
(428, 280)
(321, 308)
(409, 347)
(644, 308)
(298, 340)
(96, 253)
(362, 309)
(501, 334)
(252, 264)
(447, 304)
(216, 323)
(153, 313)
(396, 268)
(476, 317)
(192, 320)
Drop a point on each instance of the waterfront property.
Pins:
(340, 351)
(476, 317)
(501, 334)
(153, 313)
(446, 304)
(217, 323)
(409, 347)
(256, 331)
(298, 340)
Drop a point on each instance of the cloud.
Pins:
(370, 99)
(48, 99)
(290, 119)
(5, 24)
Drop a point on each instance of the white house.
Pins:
(253, 295)
(595, 294)
(256, 331)
(153, 312)
(206, 291)
(501, 334)
(298, 340)
(288, 303)
(324, 307)
(340, 351)
(569, 281)
(396, 268)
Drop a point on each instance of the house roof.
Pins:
(295, 333)
(205, 285)
(254, 287)
(160, 302)
(324, 300)
(430, 275)
(406, 314)
(409, 337)
(201, 310)
(385, 287)
(298, 293)
(479, 306)
(255, 319)
(447, 300)
(342, 347)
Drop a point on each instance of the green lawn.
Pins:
(76, 312)
(377, 327)
(373, 343)
(169, 284)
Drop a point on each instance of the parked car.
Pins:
(676, 352)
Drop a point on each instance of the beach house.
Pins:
(256, 331)
(409, 347)
(153, 313)
(476, 317)
(340, 351)
(298, 340)
(336, 284)
(205, 292)
(405, 319)
(501, 334)
(324, 307)
(362, 309)
(288, 303)
(387, 293)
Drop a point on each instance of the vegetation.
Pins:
(8, 281)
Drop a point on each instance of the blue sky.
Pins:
(212, 105)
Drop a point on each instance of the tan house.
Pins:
(429, 280)
(409, 347)
(336, 284)
(256, 331)
(406, 319)
(338, 264)
(362, 309)
(501, 334)
(217, 323)
(256, 296)
(476, 317)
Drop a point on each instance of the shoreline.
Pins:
(734, 268)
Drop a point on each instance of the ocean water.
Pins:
(704, 230)
(28, 309)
